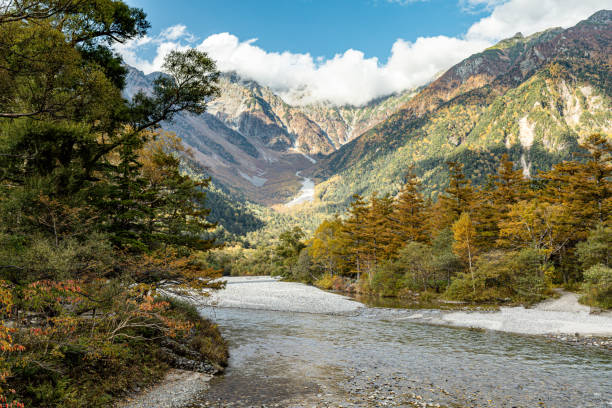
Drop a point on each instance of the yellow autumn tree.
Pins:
(465, 236)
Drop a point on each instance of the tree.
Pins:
(598, 286)
(597, 249)
(288, 249)
(585, 189)
(492, 202)
(465, 235)
(407, 220)
(416, 258)
(326, 247)
(83, 179)
(355, 235)
(458, 197)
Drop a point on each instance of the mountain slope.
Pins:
(533, 98)
(252, 142)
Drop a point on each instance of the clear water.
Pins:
(298, 359)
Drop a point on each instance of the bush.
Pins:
(325, 282)
(598, 286)
(519, 276)
(388, 279)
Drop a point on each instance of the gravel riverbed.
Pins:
(176, 390)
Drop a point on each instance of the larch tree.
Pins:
(407, 220)
(464, 246)
(458, 197)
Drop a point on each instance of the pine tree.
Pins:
(585, 189)
(493, 202)
(377, 227)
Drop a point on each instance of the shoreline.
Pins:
(176, 390)
(560, 318)
(179, 388)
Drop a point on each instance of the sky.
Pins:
(345, 52)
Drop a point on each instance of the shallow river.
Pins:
(379, 358)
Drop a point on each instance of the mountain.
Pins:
(252, 142)
(532, 97)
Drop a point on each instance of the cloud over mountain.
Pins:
(351, 78)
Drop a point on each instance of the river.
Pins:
(306, 193)
(378, 357)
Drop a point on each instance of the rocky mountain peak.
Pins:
(601, 17)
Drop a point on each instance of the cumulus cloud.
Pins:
(530, 16)
(348, 78)
(351, 78)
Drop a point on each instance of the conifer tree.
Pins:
(458, 197)
(377, 226)
(407, 220)
(493, 202)
(354, 235)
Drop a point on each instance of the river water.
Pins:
(378, 357)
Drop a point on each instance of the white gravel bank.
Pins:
(177, 389)
(556, 316)
(268, 293)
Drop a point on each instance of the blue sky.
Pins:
(320, 27)
(346, 52)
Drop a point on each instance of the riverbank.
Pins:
(560, 318)
(176, 390)
(270, 293)
(293, 345)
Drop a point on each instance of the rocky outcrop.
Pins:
(180, 356)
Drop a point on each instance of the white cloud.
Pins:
(172, 38)
(348, 78)
(351, 77)
(530, 16)
(480, 5)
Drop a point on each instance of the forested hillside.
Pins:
(508, 241)
(533, 98)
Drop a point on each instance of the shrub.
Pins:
(387, 279)
(519, 276)
(598, 286)
(597, 249)
(325, 282)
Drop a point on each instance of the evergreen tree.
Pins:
(408, 220)
(355, 235)
(458, 197)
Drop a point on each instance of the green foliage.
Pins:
(499, 276)
(95, 209)
(598, 286)
(597, 249)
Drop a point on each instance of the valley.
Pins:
(305, 204)
(534, 98)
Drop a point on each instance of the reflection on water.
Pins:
(278, 356)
